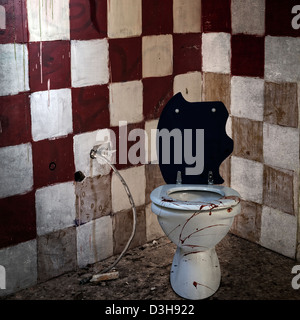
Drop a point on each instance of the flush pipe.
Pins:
(101, 152)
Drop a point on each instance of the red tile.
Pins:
(247, 56)
(53, 161)
(15, 121)
(54, 65)
(187, 52)
(90, 108)
(88, 19)
(16, 22)
(157, 17)
(125, 59)
(157, 92)
(216, 15)
(18, 219)
(279, 18)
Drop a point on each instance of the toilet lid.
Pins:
(201, 143)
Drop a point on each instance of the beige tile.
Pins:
(93, 198)
(154, 179)
(248, 223)
(216, 87)
(189, 84)
(187, 16)
(123, 226)
(279, 189)
(248, 138)
(153, 229)
(124, 18)
(157, 54)
(281, 105)
(225, 171)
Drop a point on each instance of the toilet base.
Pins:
(195, 274)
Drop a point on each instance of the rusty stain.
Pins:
(229, 209)
(196, 284)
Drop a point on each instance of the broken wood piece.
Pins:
(105, 276)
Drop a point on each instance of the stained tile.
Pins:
(53, 161)
(190, 85)
(247, 97)
(282, 59)
(157, 55)
(15, 122)
(156, 93)
(186, 16)
(225, 169)
(55, 207)
(187, 52)
(248, 138)
(281, 105)
(124, 18)
(88, 19)
(94, 241)
(248, 223)
(157, 17)
(278, 231)
(249, 8)
(122, 229)
(216, 87)
(48, 20)
(49, 65)
(281, 146)
(15, 28)
(126, 102)
(22, 274)
(125, 59)
(216, 52)
(56, 253)
(247, 178)
(90, 108)
(247, 55)
(18, 219)
(89, 62)
(51, 114)
(279, 18)
(154, 179)
(93, 198)
(13, 69)
(153, 228)
(16, 170)
(279, 189)
(216, 16)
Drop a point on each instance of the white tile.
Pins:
(94, 241)
(157, 54)
(153, 229)
(216, 52)
(248, 8)
(247, 178)
(247, 98)
(281, 146)
(16, 170)
(278, 231)
(150, 128)
(20, 263)
(186, 16)
(124, 18)
(48, 20)
(51, 114)
(282, 59)
(189, 84)
(126, 102)
(55, 207)
(136, 181)
(89, 62)
(13, 69)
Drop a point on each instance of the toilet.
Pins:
(194, 210)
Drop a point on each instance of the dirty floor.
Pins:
(249, 272)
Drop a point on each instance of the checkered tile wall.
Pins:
(72, 67)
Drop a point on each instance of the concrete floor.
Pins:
(249, 272)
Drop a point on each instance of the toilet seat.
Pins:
(225, 197)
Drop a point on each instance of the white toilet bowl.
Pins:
(195, 218)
